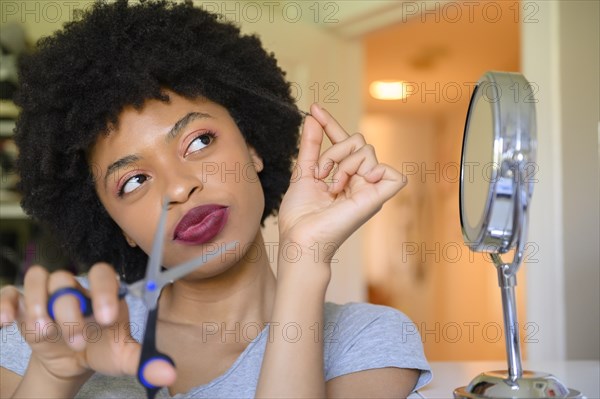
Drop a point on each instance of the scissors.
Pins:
(148, 289)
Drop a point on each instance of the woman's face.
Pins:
(191, 152)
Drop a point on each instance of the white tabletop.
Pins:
(583, 376)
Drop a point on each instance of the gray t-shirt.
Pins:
(356, 337)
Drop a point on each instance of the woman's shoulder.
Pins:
(361, 336)
(365, 321)
(354, 313)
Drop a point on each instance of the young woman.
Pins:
(137, 103)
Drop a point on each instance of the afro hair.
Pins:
(78, 81)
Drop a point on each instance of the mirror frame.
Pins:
(503, 223)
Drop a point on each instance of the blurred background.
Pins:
(401, 73)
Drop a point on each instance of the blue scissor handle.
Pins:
(85, 303)
(150, 353)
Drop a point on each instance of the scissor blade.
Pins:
(186, 268)
(153, 268)
(138, 288)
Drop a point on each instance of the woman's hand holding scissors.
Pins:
(66, 350)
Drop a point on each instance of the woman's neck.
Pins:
(244, 293)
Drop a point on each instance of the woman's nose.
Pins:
(181, 183)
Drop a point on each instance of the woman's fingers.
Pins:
(309, 149)
(312, 139)
(333, 129)
(104, 288)
(9, 305)
(35, 288)
(159, 372)
(338, 152)
(353, 156)
(389, 181)
(67, 310)
(360, 162)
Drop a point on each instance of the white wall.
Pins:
(560, 55)
(579, 33)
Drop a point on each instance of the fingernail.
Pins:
(104, 315)
(3, 318)
(319, 107)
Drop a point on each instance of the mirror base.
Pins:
(497, 384)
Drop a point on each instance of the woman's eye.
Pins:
(200, 142)
(132, 183)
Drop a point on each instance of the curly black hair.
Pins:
(77, 82)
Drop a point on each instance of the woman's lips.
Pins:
(201, 224)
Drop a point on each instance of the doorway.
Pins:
(415, 259)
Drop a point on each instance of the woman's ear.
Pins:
(129, 240)
(256, 160)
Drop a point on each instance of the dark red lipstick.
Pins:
(201, 224)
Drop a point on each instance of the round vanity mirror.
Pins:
(498, 162)
(498, 171)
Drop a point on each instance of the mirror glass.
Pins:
(477, 161)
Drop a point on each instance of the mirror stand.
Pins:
(507, 275)
(507, 282)
(514, 383)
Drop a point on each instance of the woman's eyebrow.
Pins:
(183, 122)
(121, 163)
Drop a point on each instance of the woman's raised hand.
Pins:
(323, 210)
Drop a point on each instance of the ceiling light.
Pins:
(388, 90)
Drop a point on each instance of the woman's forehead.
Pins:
(165, 112)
